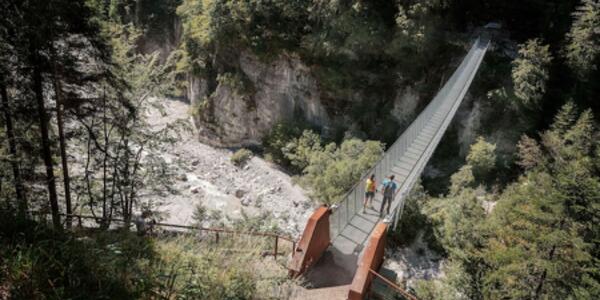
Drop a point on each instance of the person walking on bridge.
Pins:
(370, 191)
(389, 191)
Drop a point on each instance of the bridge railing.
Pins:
(277, 244)
(451, 96)
(351, 202)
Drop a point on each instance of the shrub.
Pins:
(461, 179)
(36, 261)
(332, 170)
(241, 157)
(200, 214)
(412, 220)
(278, 139)
(39, 263)
(299, 150)
(482, 158)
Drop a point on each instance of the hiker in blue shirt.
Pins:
(389, 191)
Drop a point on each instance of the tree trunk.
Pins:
(540, 285)
(12, 148)
(46, 151)
(63, 147)
(138, 12)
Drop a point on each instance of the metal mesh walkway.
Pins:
(406, 159)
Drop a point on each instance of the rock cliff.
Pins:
(282, 89)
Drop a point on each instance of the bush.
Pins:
(463, 178)
(199, 272)
(412, 220)
(332, 170)
(279, 137)
(241, 157)
(36, 262)
(200, 214)
(300, 150)
(39, 263)
(482, 158)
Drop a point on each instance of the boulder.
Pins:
(240, 193)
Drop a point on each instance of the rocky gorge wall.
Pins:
(282, 89)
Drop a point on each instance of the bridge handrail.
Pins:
(383, 166)
(190, 227)
(397, 207)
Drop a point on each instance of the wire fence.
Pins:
(227, 239)
(398, 292)
(439, 111)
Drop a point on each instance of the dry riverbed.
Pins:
(205, 175)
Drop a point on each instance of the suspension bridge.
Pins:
(342, 247)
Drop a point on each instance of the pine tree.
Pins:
(12, 148)
(530, 72)
(583, 40)
(542, 230)
(47, 38)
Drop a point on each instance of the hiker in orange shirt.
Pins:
(370, 190)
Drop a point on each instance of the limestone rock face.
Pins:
(282, 89)
(405, 106)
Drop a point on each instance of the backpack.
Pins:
(370, 185)
(388, 189)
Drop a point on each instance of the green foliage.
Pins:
(413, 220)
(263, 222)
(219, 24)
(539, 241)
(543, 241)
(300, 150)
(482, 158)
(37, 262)
(452, 287)
(123, 152)
(200, 214)
(457, 221)
(240, 85)
(530, 154)
(583, 40)
(328, 170)
(241, 157)
(198, 276)
(278, 138)
(462, 179)
(332, 170)
(530, 72)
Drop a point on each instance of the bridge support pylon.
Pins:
(315, 240)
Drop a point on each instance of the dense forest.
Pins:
(510, 200)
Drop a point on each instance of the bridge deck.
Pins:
(406, 159)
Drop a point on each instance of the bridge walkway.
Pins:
(405, 159)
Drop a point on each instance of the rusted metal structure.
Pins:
(372, 259)
(314, 241)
